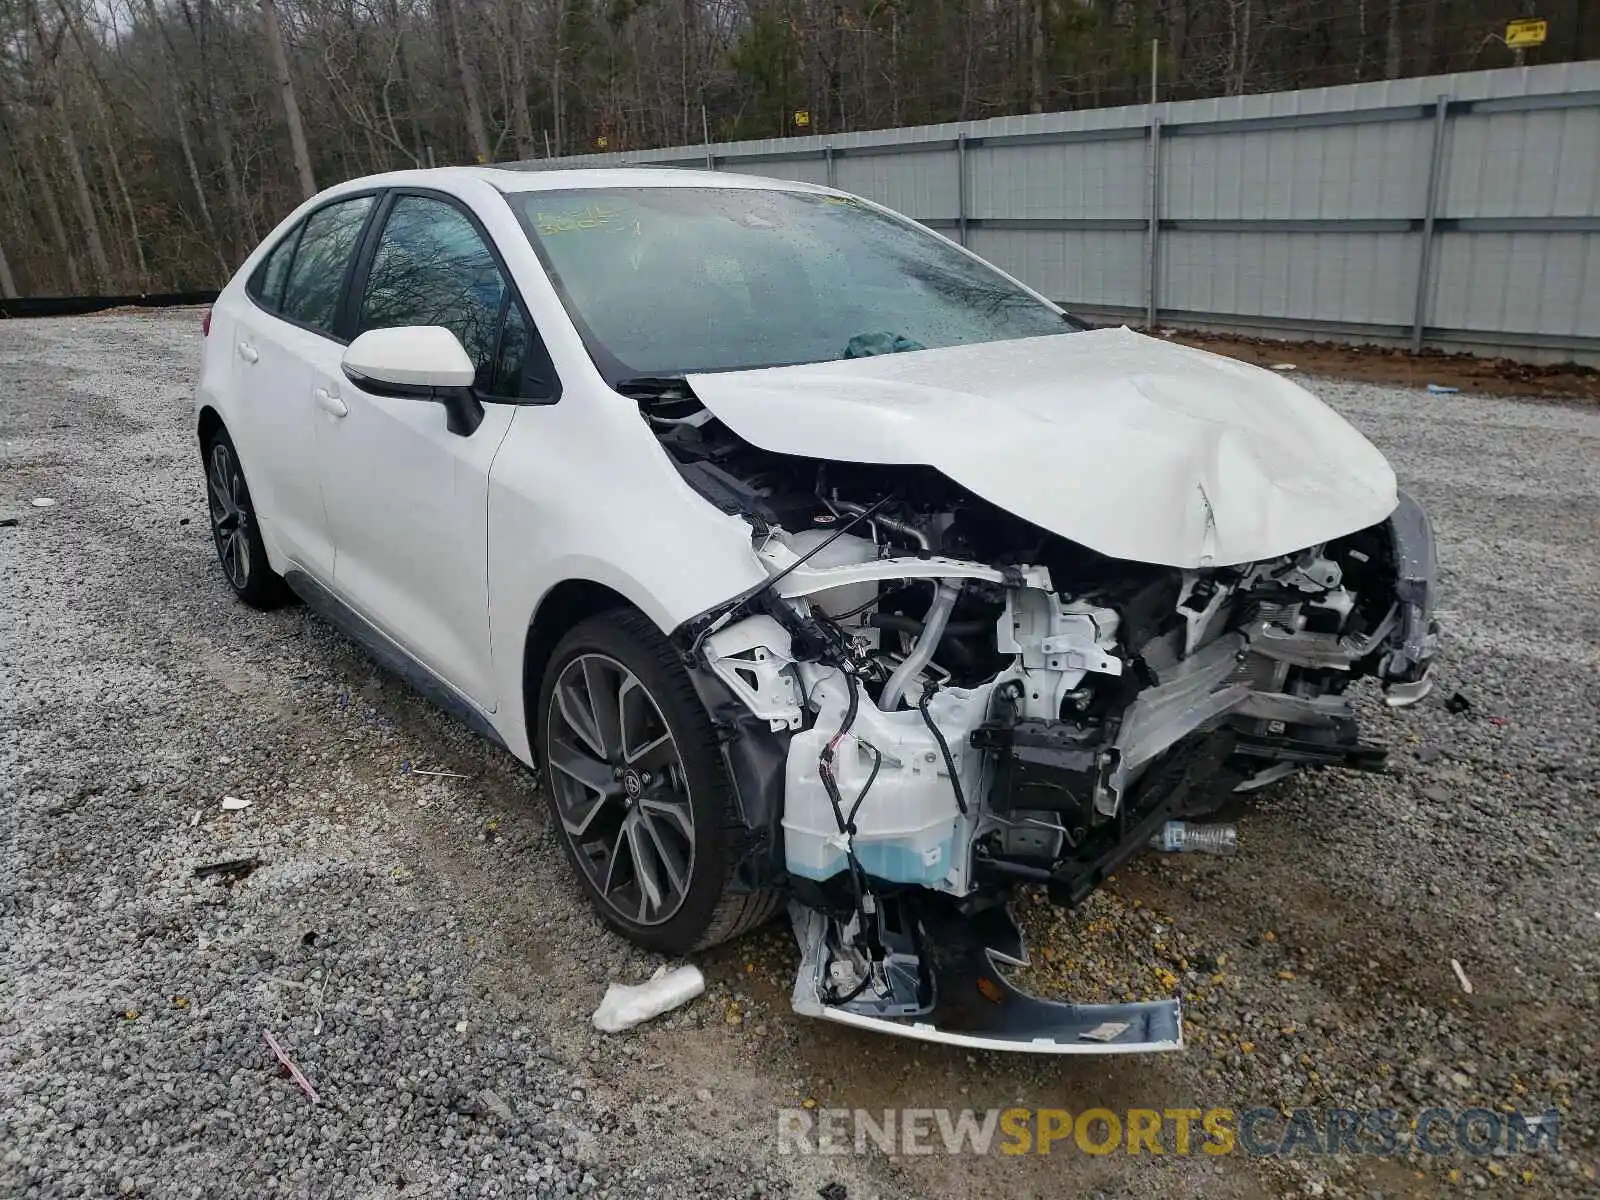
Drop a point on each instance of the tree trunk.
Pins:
(13, 192)
(521, 123)
(1430, 26)
(1240, 13)
(102, 106)
(48, 54)
(1361, 40)
(291, 104)
(836, 70)
(407, 90)
(169, 60)
(243, 214)
(683, 65)
(967, 44)
(52, 211)
(135, 241)
(1036, 58)
(85, 198)
(8, 281)
(1391, 65)
(242, 221)
(103, 103)
(556, 97)
(207, 222)
(467, 78)
(1177, 38)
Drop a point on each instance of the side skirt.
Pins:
(390, 656)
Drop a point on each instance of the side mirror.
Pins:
(417, 362)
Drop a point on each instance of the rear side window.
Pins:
(311, 292)
(266, 281)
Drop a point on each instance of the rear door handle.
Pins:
(329, 403)
(248, 352)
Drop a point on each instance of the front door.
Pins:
(407, 500)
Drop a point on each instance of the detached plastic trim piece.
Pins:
(1153, 1027)
(970, 1003)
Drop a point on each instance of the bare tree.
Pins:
(291, 104)
(142, 141)
(48, 45)
(519, 34)
(467, 78)
(180, 127)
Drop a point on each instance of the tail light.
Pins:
(205, 324)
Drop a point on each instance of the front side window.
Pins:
(522, 367)
(311, 292)
(671, 280)
(431, 268)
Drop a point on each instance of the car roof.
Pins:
(533, 179)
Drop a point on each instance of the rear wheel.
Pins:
(234, 529)
(637, 788)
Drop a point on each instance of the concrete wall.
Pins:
(1461, 211)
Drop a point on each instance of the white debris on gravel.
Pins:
(628, 1004)
(433, 969)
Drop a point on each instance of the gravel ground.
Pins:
(413, 942)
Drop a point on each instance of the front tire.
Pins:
(637, 789)
(234, 529)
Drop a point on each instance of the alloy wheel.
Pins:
(230, 515)
(619, 788)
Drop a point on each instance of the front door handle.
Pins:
(248, 352)
(329, 403)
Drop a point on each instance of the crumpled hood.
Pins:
(1132, 446)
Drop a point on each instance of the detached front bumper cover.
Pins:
(964, 1000)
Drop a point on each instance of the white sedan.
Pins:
(808, 557)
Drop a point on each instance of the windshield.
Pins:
(666, 281)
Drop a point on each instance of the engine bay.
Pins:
(941, 701)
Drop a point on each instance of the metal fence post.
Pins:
(827, 158)
(961, 188)
(1153, 237)
(1419, 315)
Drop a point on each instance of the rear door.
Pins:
(288, 326)
(407, 499)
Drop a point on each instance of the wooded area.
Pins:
(147, 145)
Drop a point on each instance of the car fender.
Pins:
(643, 532)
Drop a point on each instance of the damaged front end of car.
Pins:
(931, 701)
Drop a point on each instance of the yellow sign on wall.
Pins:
(1528, 32)
(802, 118)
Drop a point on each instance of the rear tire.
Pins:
(234, 529)
(637, 789)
